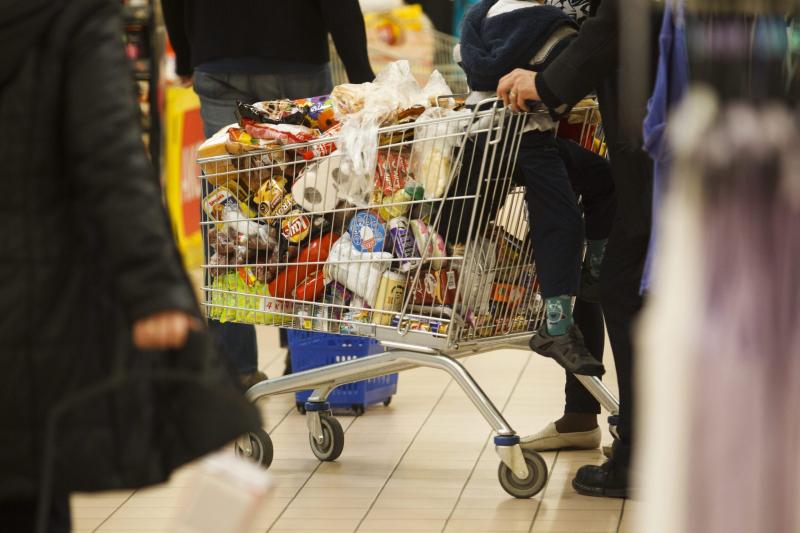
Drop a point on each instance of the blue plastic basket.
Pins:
(313, 350)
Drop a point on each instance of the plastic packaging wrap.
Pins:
(359, 272)
(363, 109)
(432, 160)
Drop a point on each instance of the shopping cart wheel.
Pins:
(332, 440)
(387, 401)
(260, 448)
(531, 484)
(358, 409)
(301, 408)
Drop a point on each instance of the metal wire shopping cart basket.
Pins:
(435, 263)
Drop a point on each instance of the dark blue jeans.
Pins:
(218, 93)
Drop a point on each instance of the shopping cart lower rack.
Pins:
(434, 262)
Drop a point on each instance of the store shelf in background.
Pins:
(183, 135)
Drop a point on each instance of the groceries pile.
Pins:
(319, 222)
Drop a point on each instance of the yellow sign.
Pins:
(183, 136)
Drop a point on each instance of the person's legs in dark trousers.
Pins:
(557, 237)
(620, 282)
(590, 177)
(20, 516)
(218, 94)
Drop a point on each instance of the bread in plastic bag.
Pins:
(432, 159)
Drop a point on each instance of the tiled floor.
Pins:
(425, 463)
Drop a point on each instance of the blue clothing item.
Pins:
(492, 47)
(218, 92)
(672, 82)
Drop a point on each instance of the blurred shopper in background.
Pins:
(284, 55)
(95, 305)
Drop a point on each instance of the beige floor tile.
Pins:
(483, 525)
(496, 513)
(410, 503)
(570, 526)
(316, 524)
(403, 525)
(302, 502)
(597, 515)
(412, 513)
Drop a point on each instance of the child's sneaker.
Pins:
(568, 350)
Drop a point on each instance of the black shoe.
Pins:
(568, 350)
(248, 380)
(606, 481)
(590, 288)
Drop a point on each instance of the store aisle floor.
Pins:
(424, 464)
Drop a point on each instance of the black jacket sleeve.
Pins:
(112, 175)
(346, 25)
(581, 67)
(175, 20)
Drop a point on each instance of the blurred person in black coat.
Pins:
(106, 376)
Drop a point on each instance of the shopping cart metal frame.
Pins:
(521, 473)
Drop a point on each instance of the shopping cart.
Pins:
(435, 263)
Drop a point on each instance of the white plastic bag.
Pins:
(393, 90)
(432, 159)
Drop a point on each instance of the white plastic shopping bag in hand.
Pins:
(224, 496)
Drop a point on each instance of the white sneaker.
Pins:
(550, 439)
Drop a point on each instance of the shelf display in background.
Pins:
(184, 135)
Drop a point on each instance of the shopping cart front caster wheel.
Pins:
(260, 448)
(332, 440)
(531, 484)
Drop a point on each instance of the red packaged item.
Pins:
(311, 288)
(436, 287)
(392, 172)
(290, 277)
(283, 133)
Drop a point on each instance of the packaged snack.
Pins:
(507, 293)
(222, 199)
(360, 272)
(282, 133)
(392, 172)
(430, 240)
(402, 243)
(316, 253)
(295, 227)
(477, 274)
(270, 195)
(432, 326)
(348, 98)
(436, 287)
(239, 296)
(367, 232)
(318, 111)
(389, 298)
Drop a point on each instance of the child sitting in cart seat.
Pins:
(498, 36)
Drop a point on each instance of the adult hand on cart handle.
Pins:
(166, 330)
(517, 87)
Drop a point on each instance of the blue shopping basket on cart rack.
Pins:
(312, 350)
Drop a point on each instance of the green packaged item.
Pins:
(238, 296)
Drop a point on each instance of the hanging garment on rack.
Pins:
(672, 81)
(726, 299)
